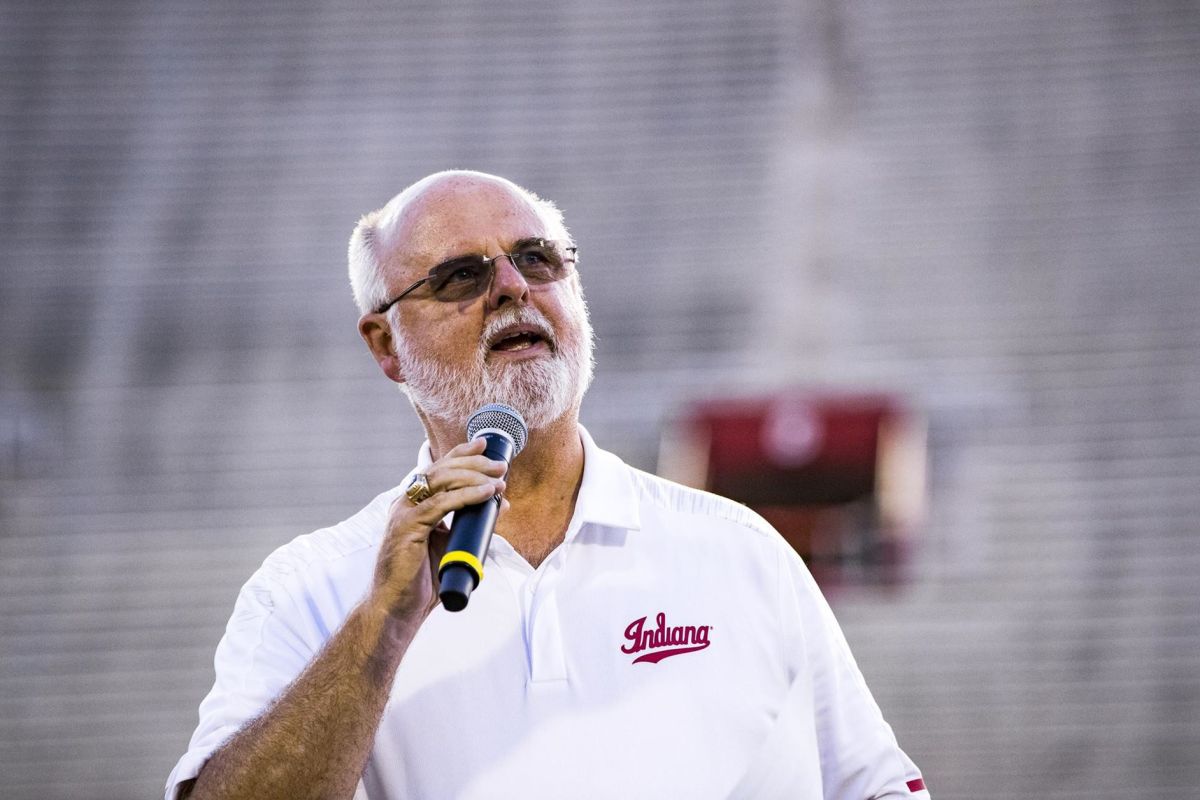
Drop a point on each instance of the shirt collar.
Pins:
(607, 494)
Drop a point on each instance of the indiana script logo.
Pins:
(663, 641)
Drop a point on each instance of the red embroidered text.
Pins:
(663, 641)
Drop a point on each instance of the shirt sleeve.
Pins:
(858, 752)
(266, 645)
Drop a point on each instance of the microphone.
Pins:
(461, 569)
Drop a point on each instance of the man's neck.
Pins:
(541, 486)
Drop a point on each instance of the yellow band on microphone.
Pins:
(466, 559)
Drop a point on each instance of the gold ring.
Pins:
(418, 488)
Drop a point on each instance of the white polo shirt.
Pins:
(672, 646)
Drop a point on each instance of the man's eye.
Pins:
(534, 257)
(451, 275)
(462, 274)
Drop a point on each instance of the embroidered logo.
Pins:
(663, 641)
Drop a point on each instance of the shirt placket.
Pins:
(535, 591)
(543, 638)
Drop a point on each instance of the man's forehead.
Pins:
(457, 212)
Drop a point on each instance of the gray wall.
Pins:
(989, 208)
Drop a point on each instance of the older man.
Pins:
(632, 638)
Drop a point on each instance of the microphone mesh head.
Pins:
(500, 417)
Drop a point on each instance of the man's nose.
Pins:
(508, 284)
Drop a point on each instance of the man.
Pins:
(631, 638)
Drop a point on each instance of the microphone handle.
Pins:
(470, 535)
(457, 580)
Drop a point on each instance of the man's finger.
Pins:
(446, 479)
(432, 509)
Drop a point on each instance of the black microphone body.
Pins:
(461, 568)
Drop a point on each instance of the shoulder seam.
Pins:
(668, 494)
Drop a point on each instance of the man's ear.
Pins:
(377, 333)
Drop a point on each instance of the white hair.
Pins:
(374, 232)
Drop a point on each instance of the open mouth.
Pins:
(518, 338)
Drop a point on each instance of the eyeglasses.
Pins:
(467, 277)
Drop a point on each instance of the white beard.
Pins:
(541, 389)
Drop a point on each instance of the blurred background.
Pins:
(984, 213)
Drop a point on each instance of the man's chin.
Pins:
(541, 388)
(535, 388)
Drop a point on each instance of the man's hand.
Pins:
(405, 585)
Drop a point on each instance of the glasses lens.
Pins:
(468, 277)
(540, 263)
(459, 278)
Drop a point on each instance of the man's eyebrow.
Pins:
(528, 241)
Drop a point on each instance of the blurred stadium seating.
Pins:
(986, 209)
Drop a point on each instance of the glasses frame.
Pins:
(489, 262)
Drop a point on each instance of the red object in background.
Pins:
(841, 476)
(793, 449)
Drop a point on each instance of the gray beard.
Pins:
(543, 390)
